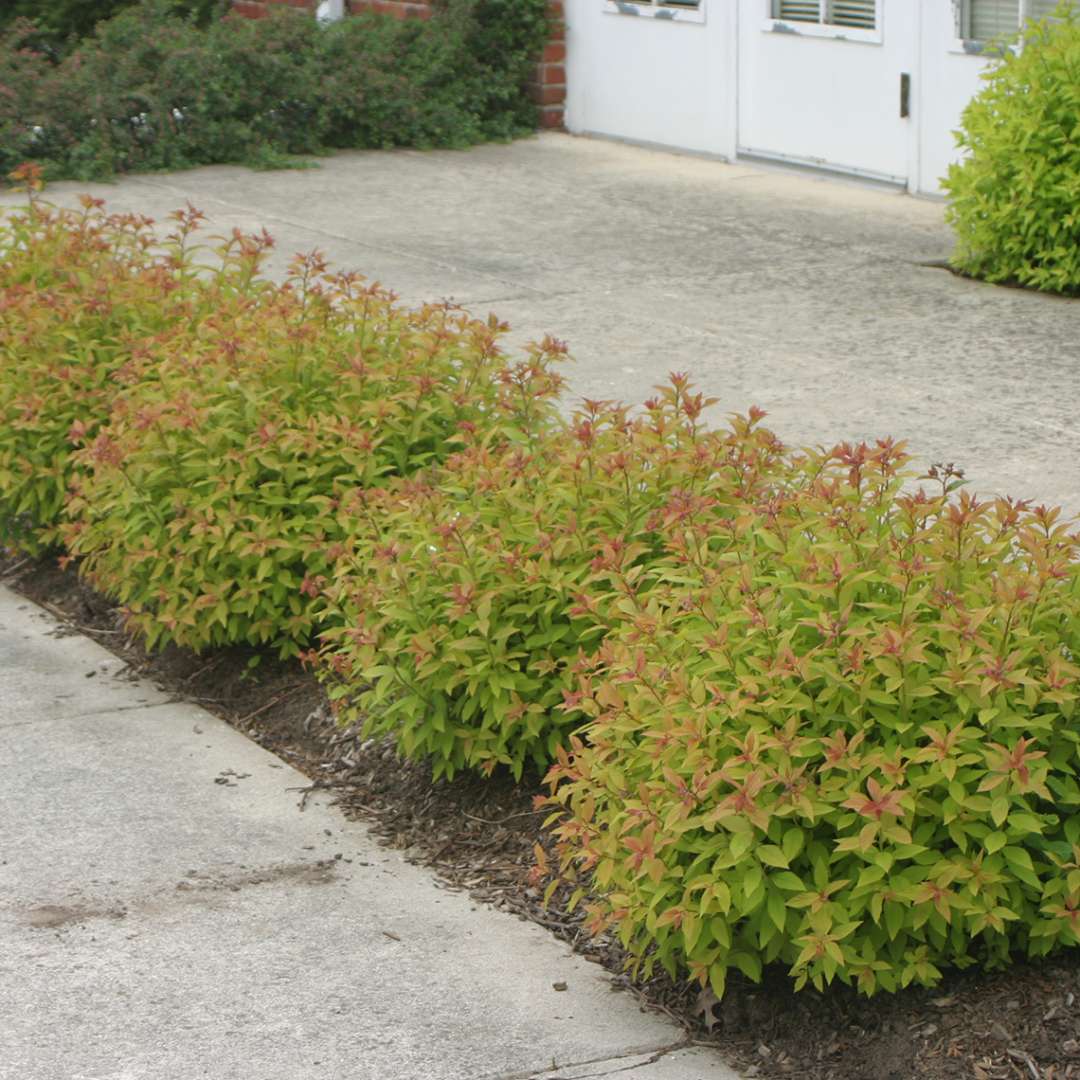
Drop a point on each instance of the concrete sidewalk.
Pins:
(157, 925)
(801, 294)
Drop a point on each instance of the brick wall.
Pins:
(548, 87)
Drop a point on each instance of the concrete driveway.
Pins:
(803, 294)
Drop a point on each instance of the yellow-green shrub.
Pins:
(468, 613)
(211, 507)
(82, 293)
(834, 728)
(1014, 198)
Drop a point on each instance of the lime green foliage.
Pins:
(463, 623)
(154, 90)
(211, 502)
(78, 291)
(834, 729)
(1015, 198)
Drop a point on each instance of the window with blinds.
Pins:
(693, 4)
(861, 14)
(985, 20)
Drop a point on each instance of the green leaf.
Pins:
(1017, 856)
(718, 979)
(748, 964)
(792, 842)
(1025, 823)
(788, 881)
(741, 842)
(752, 881)
(771, 855)
(894, 919)
(777, 910)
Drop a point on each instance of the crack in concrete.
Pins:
(468, 301)
(268, 216)
(128, 708)
(656, 1053)
(652, 1060)
(71, 718)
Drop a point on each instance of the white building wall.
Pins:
(651, 80)
(737, 79)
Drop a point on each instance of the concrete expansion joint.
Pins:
(30, 723)
(73, 718)
(506, 298)
(608, 1066)
(382, 249)
(112, 711)
(682, 1044)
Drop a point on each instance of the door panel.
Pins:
(827, 95)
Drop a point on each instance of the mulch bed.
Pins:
(479, 836)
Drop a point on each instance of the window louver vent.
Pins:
(799, 10)
(861, 14)
(990, 19)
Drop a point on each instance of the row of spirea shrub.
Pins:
(154, 90)
(800, 711)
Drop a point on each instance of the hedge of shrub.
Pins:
(65, 22)
(211, 504)
(190, 430)
(802, 711)
(152, 89)
(81, 296)
(835, 729)
(1013, 198)
(461, 627)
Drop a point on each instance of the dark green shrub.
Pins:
(151, 90)
(1014, 197)
(154, 90)
(463, 622)
(499, 43)
(388, 82)
(834, 729)
(61, 21)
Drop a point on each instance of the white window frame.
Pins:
(970, 46)
(774, 25)
(664, 10)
